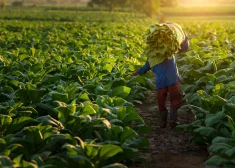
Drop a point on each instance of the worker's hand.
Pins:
(135, 73)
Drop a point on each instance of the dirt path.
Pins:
(168, 148)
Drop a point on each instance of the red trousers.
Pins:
(175, 96)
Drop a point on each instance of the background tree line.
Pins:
(148, 7)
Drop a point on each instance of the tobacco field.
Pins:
(68, 94)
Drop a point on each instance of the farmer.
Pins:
(168, 81)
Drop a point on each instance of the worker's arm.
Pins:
(143, 69)
(184, 45)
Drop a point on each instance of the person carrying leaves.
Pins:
(163, 42)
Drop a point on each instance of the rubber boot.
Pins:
(163, 115)
(173, 118)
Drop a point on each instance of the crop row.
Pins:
(209, 86)
(66, 95)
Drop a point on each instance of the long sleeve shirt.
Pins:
(166, 72)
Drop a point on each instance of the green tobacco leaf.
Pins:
(220, 79)
(2, 144)
(138, 143)
(198, 111)
(100, 90)
(91, 150)
(33, 134)
(132, 115)
(82, 143)
(211, 77)
(86, 162)
(74, 123)
(20, 146)
(108, 67)
(107, 151)
(120, 91)
(127, 133)
(23, 56)
(117, 122)
(116, 130)
(24, 113)
(128, 153)
(63, 112)
(5, 161)
(33, 51)
(220, 139)
(217, 160)
(38, 160)
(88, 110)
(8, 89)
(106, 123)
(18, 123)
(218, 89)
(222, 72)
(5, 120)
(194, 74)
(142, 128)
(26, 164)
(213, 119)
(229, 110)
(201, 80)
(217, 100)
(181, 128)
(30, 96)
(72, 107)
(44, 155)
(231, 99)
(48, 120)
(138, 79)
(231, 123)
(118, 101)
(203, 94)
(220, 148)
(231, 86)
(115, 165)
(57, 161)
(45, 107)
(197, 61)
(54, 139)
(31, 110)
(63, 97)
(208, 68)
(187, 88)
(208, 132)
(121, 113)
(17, 160)
(14, 82)
(48, 166)
(118, 82)
(50, 79)
(231, 152)
(84, 97)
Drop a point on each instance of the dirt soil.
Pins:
(168, 148)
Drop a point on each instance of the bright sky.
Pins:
(200, 2)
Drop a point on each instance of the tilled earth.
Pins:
(168, 148)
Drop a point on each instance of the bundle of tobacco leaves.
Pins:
(162, 43)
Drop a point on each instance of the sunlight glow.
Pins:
(202, 2)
